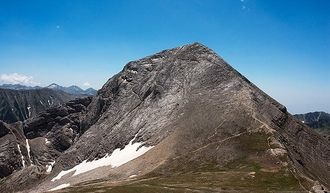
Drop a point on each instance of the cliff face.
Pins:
(193, 117)
(34, 143)
(19, 105)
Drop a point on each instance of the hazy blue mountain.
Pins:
(18, 87)
(72, 89)
(75, 90)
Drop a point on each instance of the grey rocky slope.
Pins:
(210, 130)
(320, 121)
(18, 105)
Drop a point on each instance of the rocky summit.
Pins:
(181, 120)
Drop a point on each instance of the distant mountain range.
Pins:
(19, 102)
(19, 87)
(75, 90)
(320, 121)
(72, 89)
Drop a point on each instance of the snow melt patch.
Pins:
(28, 148)
(50, 166)
(60, 187)
(28, 108)
(22, 157)
(47, 141)
(252, 174)
(116, 159)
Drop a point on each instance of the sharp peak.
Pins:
(53, 84)
(195, 46)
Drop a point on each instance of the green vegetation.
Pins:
(247, 173)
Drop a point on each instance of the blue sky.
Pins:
(282, 46)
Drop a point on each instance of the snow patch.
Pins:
(60, 187)
(41, 103)
(22, 157)
(47, 141)
(252, 174)
(50, 166)
(116, 159)
(132, 176)
(50, 101)
(28, 108)
(28, 148)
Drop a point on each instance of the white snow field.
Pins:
(60, 187)
(116, 159)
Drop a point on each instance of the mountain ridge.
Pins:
(19, 105)
(73, 89)
(202, 118)
(318, 120)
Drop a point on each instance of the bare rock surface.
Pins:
(19, 105)
(202, 118)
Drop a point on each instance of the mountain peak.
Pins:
(197, 49)
(196, 45)
(53, 86)
(76, 90)
(184, 112)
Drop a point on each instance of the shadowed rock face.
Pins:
(200, 115)
(19, 105)
(37, 141)
(320, 121)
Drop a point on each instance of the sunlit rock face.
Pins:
(180, 114)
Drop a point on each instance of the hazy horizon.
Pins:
(281, 46)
